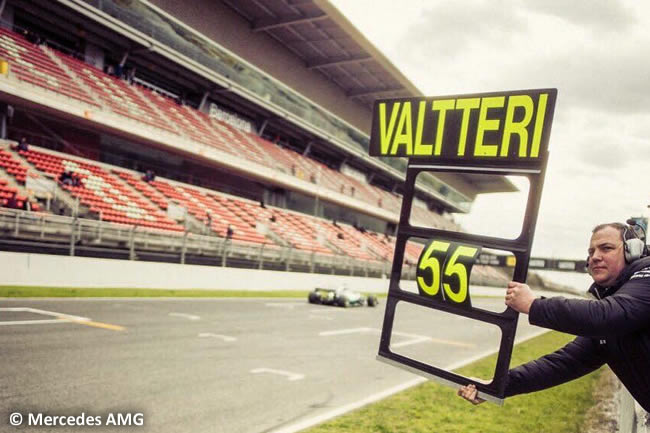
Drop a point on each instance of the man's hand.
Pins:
(470, 393)
(519, 297)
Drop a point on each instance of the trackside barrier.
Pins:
(62, 235)
(631, 417)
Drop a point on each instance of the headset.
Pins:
(633, 246)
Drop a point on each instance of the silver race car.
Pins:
(342, 297)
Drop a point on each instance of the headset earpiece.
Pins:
(634, 247)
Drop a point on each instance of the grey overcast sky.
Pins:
(595, 52)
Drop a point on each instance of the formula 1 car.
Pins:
(342, 297)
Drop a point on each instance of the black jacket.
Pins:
(613, 329)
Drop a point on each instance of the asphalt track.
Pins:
(214, 365)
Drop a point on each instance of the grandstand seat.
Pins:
(34, 64)
(190, 122)
(199, 204)
(380, 244)
(6, 192)
(13, 166)
(147, 190)
(116, 94)
(19, 171)
(101, 192)
(295, 229)
(204, 129)
(346, 238)
(30, 64)
(241, 141)
(412, 251)
(309, 169)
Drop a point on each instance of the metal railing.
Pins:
(74, 236)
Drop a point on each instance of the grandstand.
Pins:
(177, 125)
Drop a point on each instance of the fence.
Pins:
(69, 235)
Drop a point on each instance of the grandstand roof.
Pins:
(327, 42)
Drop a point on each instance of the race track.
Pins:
(213, 365)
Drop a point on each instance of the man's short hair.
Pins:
(622, 229)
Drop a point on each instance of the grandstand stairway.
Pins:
(146, 192)
(198, 203)
(15, 171)
(380, 245)
(196, 125)
(116, 94)
(101, 192)
(63, 201)
(287, 225)
(144, 93)
(78, 81)
(345, 239)
(140, 188)
(8, 186)
(236, 139)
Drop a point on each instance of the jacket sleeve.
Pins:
(621, 313)
(579, 357)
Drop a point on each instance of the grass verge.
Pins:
(434, 408)
(67, 292)
(90, 292)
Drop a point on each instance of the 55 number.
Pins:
(443, 271)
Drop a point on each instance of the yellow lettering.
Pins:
(404, 132)
(386, 133)
(539, 123)
(485, 124)
(466, 105)
(510, 127)
(421, 148)
(441, 105)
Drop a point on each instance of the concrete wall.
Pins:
(27, 269)
(631, 418)
(24, 269)
(221, 24)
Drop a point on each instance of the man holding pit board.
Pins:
(612, 328)
(500, 133)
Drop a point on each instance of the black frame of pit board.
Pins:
(506, 321)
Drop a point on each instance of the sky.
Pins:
(595, 52)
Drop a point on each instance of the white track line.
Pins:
(344, 332)
(292, 377)
(222, 337)
(32, 322)
(319, 317)
(310, 422)
(187, 316)
(412, 338)
(417, 340)
(328, 310)
(60, 317)
(287, 305)
(46, 313)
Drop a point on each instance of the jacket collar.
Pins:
(602, 292)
